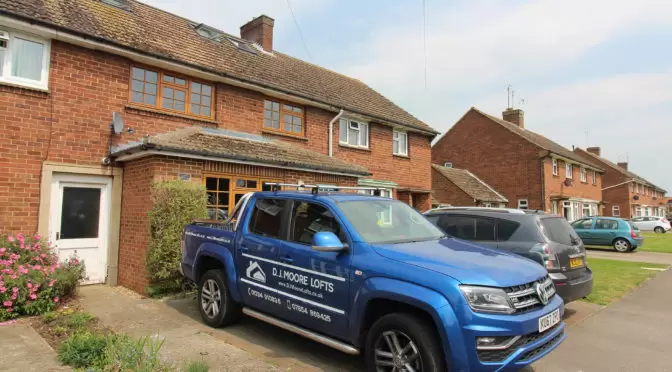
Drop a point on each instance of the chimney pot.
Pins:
(515, 116)
(260, 31)
(623, 165)
(594, 150)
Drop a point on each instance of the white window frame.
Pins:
(6, 77)
(523, 204)
(349, 125)
(584, 207)
(616, 211)
(594, 173)
(555, 166)
(583, 174)
(396, 137)
(569, 170)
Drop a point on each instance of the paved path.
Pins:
(22, 349)
(637, 256)
(632, 334)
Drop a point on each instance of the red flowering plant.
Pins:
(32, 281)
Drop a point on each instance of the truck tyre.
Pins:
(398, 341)
(214, 301)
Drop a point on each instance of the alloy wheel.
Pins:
(621, 245)
(211, 298)
(396, 352)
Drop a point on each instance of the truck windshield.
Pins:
(388, 221)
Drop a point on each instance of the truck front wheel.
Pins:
(214, 301)
(403, 342)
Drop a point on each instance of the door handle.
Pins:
(287, 259)
(243, 248)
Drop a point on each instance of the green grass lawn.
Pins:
(657, 242)
(612, 279)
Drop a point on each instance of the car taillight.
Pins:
(633, 233)
(550, 259)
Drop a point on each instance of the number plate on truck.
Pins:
(549, 320)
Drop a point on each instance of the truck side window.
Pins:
(266, 217)
(308, 219)
(485, 230)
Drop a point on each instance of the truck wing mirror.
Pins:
(327, 241)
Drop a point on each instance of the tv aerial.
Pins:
(117, 124)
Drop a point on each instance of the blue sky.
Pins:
(591, 73)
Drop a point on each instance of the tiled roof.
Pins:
(149, 30)
(236, 146)
(540, 140)
(470, 184)
(618, 169)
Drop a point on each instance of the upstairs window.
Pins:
(24, 60)
(172, 93)
(555, 167)
(568, 170)
(583, 175)
(594, 174)
(353, 133)
(283, 117)
(399, 143)
(522, 204)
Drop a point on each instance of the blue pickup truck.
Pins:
(371, 276)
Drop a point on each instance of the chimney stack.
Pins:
(514, 116)
(595, 151)
(260, 31)
(623, 165)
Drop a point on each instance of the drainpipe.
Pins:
(331, 132)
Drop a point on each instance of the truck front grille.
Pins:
(494, 356)
(526, 297)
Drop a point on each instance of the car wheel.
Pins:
(403, 342)
(214, 301)
(622, 245)
(659, 230)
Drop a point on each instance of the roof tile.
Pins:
(470, 184)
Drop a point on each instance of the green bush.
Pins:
(123, 353)
(175, 204)
(83, 349)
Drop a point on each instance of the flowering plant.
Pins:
(32, 281)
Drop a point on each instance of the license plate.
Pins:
(549, 320)
(575, 262)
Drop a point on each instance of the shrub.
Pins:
(32, 281)
(175, 204)
(83, 349)
(123, 353)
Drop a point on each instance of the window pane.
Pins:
(309, 219)
(266, 218)
(151, 100)
(205, 101)
(138, 73)
(395, 147)
(287, 119)
(205, 111)
(353, 137)
(211, 183)
(505, 229)
(137, 86)
(80, 213)
(364, 135)
(267, 123)
(558, 230)
(224, 184)
(195, 109)
(297, 109)
(180, 81)
(136, 97)
(287, 108)
(195, 87)
(251, 184)
(168, 79)
(343, 131)
(276, 106)
(151, 76)
(179, 95)
(206, 90)
(267, 105)
(276, 116)
(195, 98)
(459, 227)
(2, 58)
(288, 126)
(150, 88)
(276, 124)
(167, 103)
(167, 92)
(179, 106)
(223, 199)
(267, 114)
(212, 198)
(27, 59)
(485, 230)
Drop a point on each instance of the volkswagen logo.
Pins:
(542, 293)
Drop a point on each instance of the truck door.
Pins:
(257, 254)
(315, 284)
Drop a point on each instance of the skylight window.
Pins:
(208, 32)
(242, 45)
(121, 4)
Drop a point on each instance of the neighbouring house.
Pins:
(189, 102)
(528, 169)
(459, 187)
(625, 193)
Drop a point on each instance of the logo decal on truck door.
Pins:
(255, 272)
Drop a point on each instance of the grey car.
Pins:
(544, 238)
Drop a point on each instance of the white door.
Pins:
(79, 221)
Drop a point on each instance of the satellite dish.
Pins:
(117, 123)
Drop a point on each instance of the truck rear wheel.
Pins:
(403, 342)
(214, 301)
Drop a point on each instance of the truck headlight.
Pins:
(487, 299)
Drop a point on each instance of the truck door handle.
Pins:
(287, 259)
(243, 248)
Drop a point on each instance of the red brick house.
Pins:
(459, 187)
(226, 111)
(530, 170)
(625, 193)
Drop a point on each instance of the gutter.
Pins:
(61, 33)
(331, 132)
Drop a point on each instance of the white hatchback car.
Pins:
(657, 224)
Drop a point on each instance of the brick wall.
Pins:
(555, 185)
(500, 158)
(447, 193)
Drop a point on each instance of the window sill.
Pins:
(275, 133)
(354, 147)
(401, 156)
(24, 86)
(171, 114)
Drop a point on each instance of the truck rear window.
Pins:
(557, 229)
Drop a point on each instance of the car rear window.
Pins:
(632, 227)
(558, 230)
